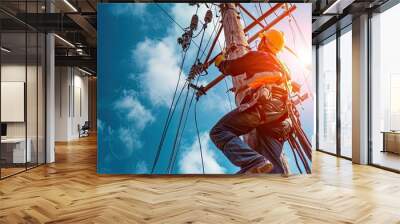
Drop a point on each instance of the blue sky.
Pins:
(138, 64)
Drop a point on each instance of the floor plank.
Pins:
(70, 191)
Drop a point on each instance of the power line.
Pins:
(176, 149)
(170, 113)
(169, 168)
(298, 28)
(165, 130)
(265, 21)
(209, 40)
(169, 16)
(183, 129)
(173, 20)
(179, 132)
(227, 94)
(274, 10)
(198, 136)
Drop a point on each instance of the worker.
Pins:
(262, 101)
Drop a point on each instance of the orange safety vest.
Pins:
(264, 78)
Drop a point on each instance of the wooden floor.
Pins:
(70, 191)
(5, 172)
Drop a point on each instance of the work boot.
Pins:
(263, 168)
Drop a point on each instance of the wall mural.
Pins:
(204, 88)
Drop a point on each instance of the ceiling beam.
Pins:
(81, 61)
(85, 25)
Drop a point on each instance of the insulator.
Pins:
(194, 22)
(186, 36)
(184, 40)
(208, 17)
(180, 40)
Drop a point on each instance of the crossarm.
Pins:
(203, 90)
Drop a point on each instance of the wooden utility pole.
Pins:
(235, 39)
(237, 46)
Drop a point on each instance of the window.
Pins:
(346, 93)
(385, 89)
(327, 96)
(22, 77)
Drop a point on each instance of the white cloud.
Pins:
(160, 58)
(183, 13)
(100, 125)
(216, 103)
(134, 110)
(160, 62)
(141, 168)
(134, 9)
(136, 117)
(130, 139)
(190, 162)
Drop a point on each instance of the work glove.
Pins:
(296, 87)
(218, 60)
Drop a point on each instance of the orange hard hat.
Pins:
(273, 40)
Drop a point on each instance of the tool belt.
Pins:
(270, 101)
(273, 108)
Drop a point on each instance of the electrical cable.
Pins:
(176, 150)
(293, 34)
(274, 10)
(169, 169)
(244, 21)
(166, 126)
(173, 20)
(262, 13)
(169, 16)
(183, 128)
(219, 43)
(295, 156)
(198, 135)
(177, 135)
(209, 40)
(227, 94)
(298, 28)
(191, 101)
(169, 116)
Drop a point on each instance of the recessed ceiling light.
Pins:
(84, 71)
(337, 7)
(70, 5)
(64, 40)
(5, 50)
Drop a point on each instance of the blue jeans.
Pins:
(226, 136)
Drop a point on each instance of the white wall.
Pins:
(70, 83)
(61, 103)
(17, 73)
(80, 84)
(33, 126)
